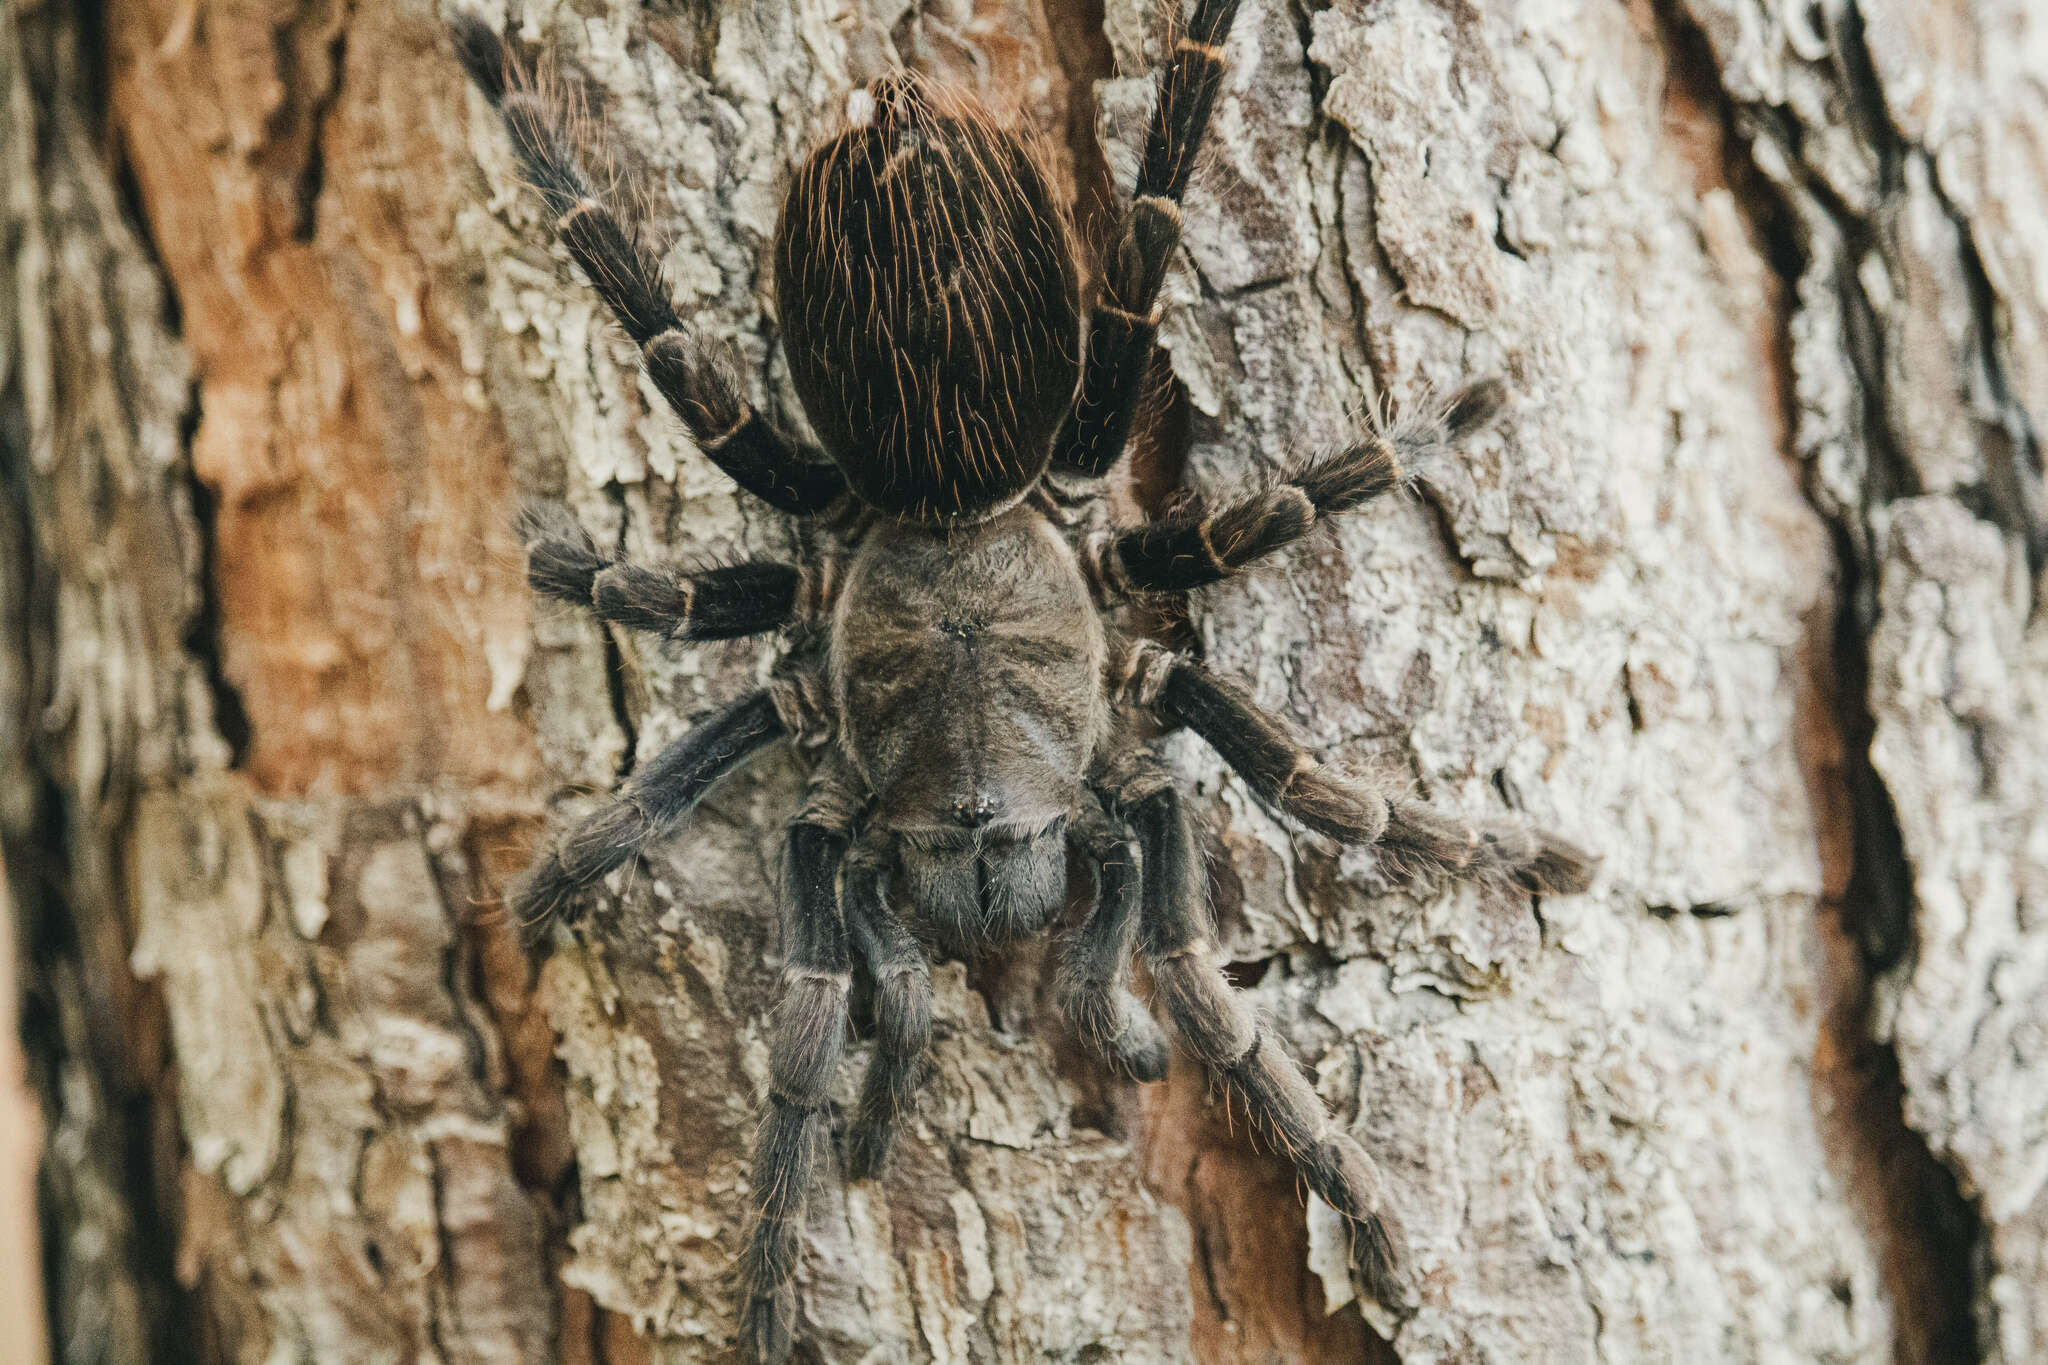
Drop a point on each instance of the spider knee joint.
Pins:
(583, 208)
(1138, 675)
(1212, 1021)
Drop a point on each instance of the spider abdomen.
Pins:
(967, 670)
(929, 303)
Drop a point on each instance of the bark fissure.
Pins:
(2014, 497)
(202, 636)
(1941, 1308)
(312, 177)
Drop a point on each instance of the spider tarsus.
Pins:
(1141, 1054)
(481, 52)
(1136, 1047)
(1375, 1247)
(543, 898)
(1398, 866)
(1106, 1016)
(1560, 868)
(895, 1075)
(1337, 1169)
(1475, 405)
(698, 376)
(540, 519)
(868, 1142)
(785, 1155)
(561, 558)
(1421, 842)
(1346, 1179)
(768, 1328)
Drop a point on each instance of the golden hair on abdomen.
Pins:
(925, 278)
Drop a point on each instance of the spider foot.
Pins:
(1559, 868)
(1535, 860)
(1338, 1169)
(1327, 804)
(1420, 842)
(1473, 406)
(767, 1328)
(868, 1142)
(562, 560)
(1111, 1022)
(1378, 1263)
(544, 897)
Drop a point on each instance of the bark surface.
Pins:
(1744, 592)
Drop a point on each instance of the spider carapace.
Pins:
(952, 664)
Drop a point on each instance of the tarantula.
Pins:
(972, 710)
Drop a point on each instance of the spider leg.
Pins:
(903, 1015)
(1092, 983)
(1124, 319)
(809, 1038)
(713, 604)
(1410, 839)
(649, 803)
(696, 376)
(1178, 939)
(1200, 547)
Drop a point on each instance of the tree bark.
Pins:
(1743, 592)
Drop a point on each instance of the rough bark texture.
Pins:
(1744, 592)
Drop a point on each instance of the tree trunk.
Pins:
(1744, 592)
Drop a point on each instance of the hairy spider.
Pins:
(971, 710)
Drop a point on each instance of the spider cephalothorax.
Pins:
(952, 666)
(929, 307)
